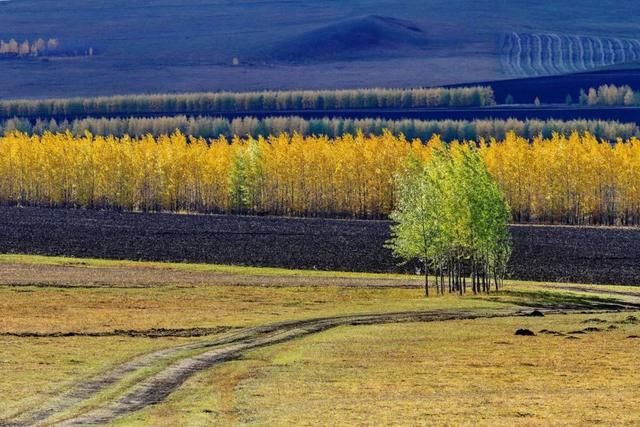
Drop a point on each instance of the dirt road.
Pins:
(157, 387)
(193, 358)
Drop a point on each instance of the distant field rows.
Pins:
(537, 54)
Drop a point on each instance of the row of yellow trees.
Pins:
(574, 179)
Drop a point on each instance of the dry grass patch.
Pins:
(17, 259)
(34, 370)
(473, 372)
(32, 309)
(350, 375)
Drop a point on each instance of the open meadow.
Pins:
(192, 344)
(340, 213)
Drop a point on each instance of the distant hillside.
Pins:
(372, 36)
(160, 46)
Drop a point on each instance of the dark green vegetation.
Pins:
(210, 127)
(212, 103)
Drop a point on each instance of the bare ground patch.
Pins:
(142, 277)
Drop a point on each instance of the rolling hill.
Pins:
(147, 46)
(372, 36)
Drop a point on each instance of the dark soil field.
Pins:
(541, 253)
(555, 112)
(554, 89)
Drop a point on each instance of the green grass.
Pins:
(113, 392)
(36, 369)
(51, 310)
(472, 372)
(33, 369)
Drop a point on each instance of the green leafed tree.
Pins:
(245, 179)
(453, 218)
(413, 235)
(568, 100)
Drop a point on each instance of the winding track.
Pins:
(158, 387)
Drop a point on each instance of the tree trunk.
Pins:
(426, 279)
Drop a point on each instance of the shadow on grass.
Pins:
(560, 301)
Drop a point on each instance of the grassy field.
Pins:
(35, 370)
(35, 260)
(457, 373)
(58, 333)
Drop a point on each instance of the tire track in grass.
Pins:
(95, 385)
(86, 390)
(157, 387)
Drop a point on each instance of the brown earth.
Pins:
(78, 276)
(606, 255)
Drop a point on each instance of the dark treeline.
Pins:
(208, 127)
(252, 101)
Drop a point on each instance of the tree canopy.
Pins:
(452, 217)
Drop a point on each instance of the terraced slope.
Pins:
(539, 54)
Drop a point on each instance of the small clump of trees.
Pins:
(610, 96)
(38, 47)
(452, 217)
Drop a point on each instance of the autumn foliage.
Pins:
(36, 48)
(575, 179)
